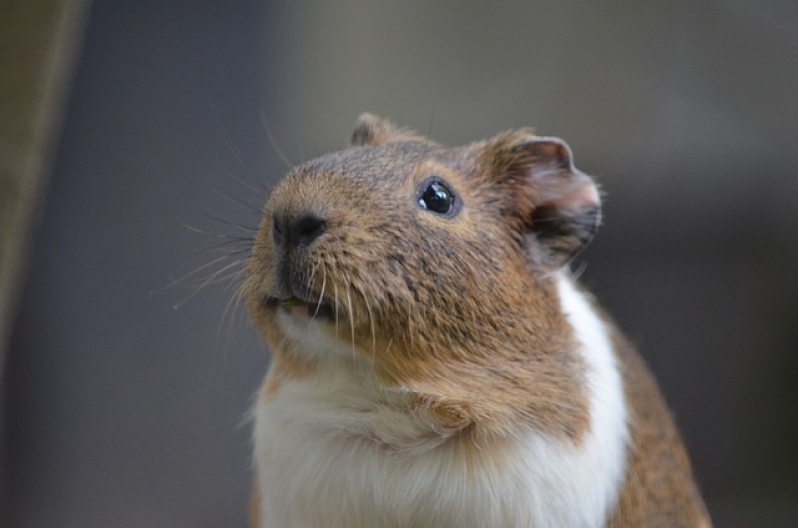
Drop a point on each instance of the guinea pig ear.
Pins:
(559, 206)
(372, 130)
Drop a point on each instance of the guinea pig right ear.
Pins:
(558, 205)
(372, 130)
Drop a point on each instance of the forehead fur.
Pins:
(374, 162)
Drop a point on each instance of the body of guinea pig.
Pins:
(434, 364)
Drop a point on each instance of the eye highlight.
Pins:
(435, 196)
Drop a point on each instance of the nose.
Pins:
(296, 231)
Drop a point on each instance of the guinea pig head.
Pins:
(430, 265)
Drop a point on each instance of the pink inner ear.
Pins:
(557, 183)
(560, 188)
(559, 206)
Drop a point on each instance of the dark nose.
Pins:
(296, 230)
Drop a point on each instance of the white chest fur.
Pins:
(322, 458)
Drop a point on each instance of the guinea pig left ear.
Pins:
(559, 205)
(372, 130)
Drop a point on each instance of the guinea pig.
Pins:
(434, 363)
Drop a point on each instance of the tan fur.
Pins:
(478, 360)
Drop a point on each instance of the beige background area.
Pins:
(37, 50)
(124, 393)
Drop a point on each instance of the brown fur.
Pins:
(373, 130)
(461, 311)
(254, 506)
(660, 489)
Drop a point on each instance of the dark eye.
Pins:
(436, 197)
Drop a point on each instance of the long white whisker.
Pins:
(280, 154)
(182, 278)
(371, 323)
(213, 278)
(335, 286)
(310, 287)
(323, 288)
(351, 319)
(229, 313)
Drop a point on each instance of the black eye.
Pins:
(436, 197)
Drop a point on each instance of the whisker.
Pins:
(182, 278)
(351, 318)
(235, 200)
(315, 147)
(213, 216)
(280, 154)
(215, 274)
(577, 273)
(424, 155)
(385, 352)
(237, 247)
(235, 150)
(335, 286)
(214, 234)
(323, 288)
(213, 278)
(431, 121)
(310, 280)
(219, 276)
(244, 183)
(230, 311)
(232, 275)
(371, 323)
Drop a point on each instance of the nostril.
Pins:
(294, 231)
(278, 232)
(308, 228)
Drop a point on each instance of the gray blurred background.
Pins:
(124, 394)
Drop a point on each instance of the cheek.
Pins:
(260, 268)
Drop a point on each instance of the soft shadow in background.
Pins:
(123, 411)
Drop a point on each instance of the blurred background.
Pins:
(138, 136)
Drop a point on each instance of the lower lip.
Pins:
(301, 311)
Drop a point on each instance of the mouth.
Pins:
(304, 309)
